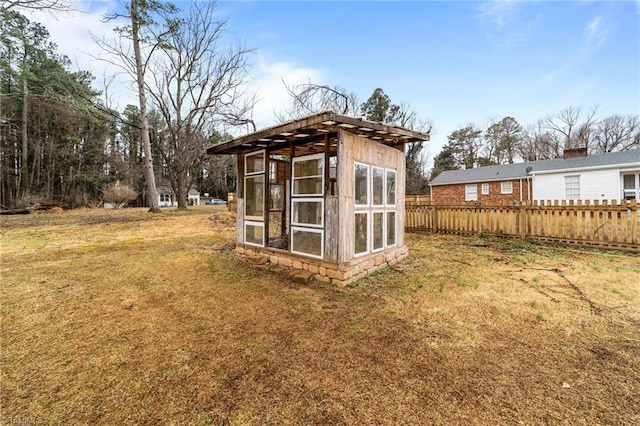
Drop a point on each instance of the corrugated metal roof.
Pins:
(519, 170)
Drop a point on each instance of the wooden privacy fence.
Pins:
(608, 224)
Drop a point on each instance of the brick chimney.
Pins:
(575, 152)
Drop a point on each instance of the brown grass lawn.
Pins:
(122, 317)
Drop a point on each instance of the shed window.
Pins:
(391, 188)
(378, 231)
(306, 241)
(361, 233)
(471, 192)
(254, 233)
(307, 211)
(307, 206)
(254, 196)
(391, 228)
(308, 175)
(377, 186)
(506, 187)
(361, 187)
(572, 187)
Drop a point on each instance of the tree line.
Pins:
(507, 141)
(62, 143)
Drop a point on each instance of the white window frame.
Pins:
(485, 189)
(635, 191)
(311, 230)
(383, 195)
(395, 192)
(296, 198)
(395, 228)
(466, 192)
(367, 230)
(384, 230)
(253, 175)
(368, 190)
(253, 154)
(506, 187)
(294, 178)
(256, 224)
(566, 189)
(307, 200)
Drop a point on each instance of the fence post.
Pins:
(634, 221)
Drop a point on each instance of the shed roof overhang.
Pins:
(314, 127)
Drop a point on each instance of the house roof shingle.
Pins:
(521, 170)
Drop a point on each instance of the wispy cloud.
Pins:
(595, 34)
(497, 12)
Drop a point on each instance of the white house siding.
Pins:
(594, 185)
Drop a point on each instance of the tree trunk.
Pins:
(24, 169)
(152, 192)
(181, 190)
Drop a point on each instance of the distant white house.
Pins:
(610, 176)
(577, 176)
(167, 198)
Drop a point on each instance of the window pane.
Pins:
(507, 187)
(378, 229)
(307, 212)
(471, 192)
(485, 189)
(391, 228)
(377, 177)
(311, 167)
(254, 196)
(306, 242)
(629, 181)
(253, 234)
(254, 163)
(361, 184)
(572, 187)
(307, 186)
(391, 187)
(362, 227)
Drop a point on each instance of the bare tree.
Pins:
(48, 5)
(571, 128)
(617, 133)
(196, 85)
(310, 98)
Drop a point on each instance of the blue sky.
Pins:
(452, 62)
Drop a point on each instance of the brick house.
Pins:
(613, 175)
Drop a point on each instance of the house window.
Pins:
(307, 206)
(506, 187)
(485, 189)
(631, 186)
(471, 192)
(572, 187)
(361, 194)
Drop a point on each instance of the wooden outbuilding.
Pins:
(324, 194)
